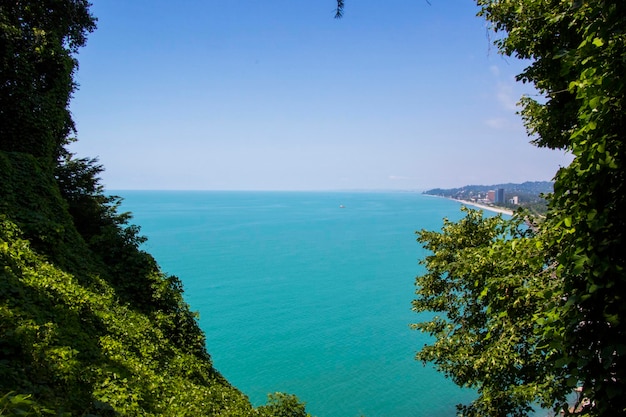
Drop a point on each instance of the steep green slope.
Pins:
(89, 325)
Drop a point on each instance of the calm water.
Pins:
(298, 295)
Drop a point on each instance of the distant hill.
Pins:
(527, 194)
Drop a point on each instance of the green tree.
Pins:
(578, 53)
(283, 405)
(37, 42)
(486, 280)
(573, 332)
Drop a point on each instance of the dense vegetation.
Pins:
(530, 194)
(532, 315)
(89, 325)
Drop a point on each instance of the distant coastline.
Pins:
(494, 209)
(501, 198)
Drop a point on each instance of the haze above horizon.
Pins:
(279, 95)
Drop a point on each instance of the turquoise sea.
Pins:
(306, 292)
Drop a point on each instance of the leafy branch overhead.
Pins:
(339, 10)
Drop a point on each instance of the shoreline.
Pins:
(494, 209)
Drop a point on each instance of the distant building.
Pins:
(514, 200)
(491, 196)
(499, 197)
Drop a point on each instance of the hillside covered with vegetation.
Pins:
(89, 324)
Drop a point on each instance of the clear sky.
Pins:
(279, 95)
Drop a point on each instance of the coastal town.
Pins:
(501, 198)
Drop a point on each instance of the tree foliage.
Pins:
(37, 42)
(486, 281)
(339, 9)
(569, 273)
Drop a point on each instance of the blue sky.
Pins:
(279, 95)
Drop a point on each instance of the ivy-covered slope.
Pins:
(89, 325)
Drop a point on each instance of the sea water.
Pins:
(307, 293)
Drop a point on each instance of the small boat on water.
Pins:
(342, 206)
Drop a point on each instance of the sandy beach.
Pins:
(486, 207)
